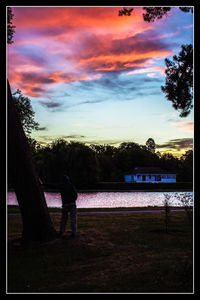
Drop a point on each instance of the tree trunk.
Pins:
(37, 225)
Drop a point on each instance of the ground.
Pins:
(111, 253)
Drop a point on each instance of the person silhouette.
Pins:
(69, 196)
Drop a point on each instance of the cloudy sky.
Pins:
(95, 77)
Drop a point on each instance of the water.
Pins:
(113, 199)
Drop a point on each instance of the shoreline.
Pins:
(14, 209)
(113, 187)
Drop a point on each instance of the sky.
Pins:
(95, 77)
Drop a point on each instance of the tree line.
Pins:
(90, 164)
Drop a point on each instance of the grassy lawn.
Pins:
(111, 253)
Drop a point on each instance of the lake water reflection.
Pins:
(111, 199)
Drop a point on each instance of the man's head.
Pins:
(66, 178)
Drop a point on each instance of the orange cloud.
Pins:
(123, 61)
(68, 44)
(73, 17)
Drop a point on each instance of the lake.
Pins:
(113, 199)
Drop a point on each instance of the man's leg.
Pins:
(64, 219)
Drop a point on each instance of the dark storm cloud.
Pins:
(177, 144)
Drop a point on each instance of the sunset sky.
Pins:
(95, 77)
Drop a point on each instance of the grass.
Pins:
(111, 254)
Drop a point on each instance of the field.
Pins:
(129, 253)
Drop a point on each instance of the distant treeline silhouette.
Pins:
(87, 165)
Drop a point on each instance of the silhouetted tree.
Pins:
(125, 11)
(150, 145)
(82, 164)
(107, 169)
(169, 162)
(25, 111)
(10, 26)
(153, 13)
(186, 169)
(75, 159)
(37, 225)
(156, 13)
(179, 80)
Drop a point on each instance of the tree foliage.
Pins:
(150, 144)
(125, 11)
(155, 13)
(179, 80)
(25, 111)
(10, 26)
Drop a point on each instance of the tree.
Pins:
(156, 13)
(153, 13)
(186, 170)
(150, 145)
(82, 164)
(10, 27)
(37, 225)
(125, 11)
(106, 167)
(25, 111)
(169, 162)
(179, 80)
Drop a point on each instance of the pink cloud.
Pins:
(186, 127)
(182, 125)
(68, 44)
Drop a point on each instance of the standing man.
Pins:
(69, 196)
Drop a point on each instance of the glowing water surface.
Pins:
(113, 199)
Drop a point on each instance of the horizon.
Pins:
(95, 77)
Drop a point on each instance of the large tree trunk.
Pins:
(37, 225)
